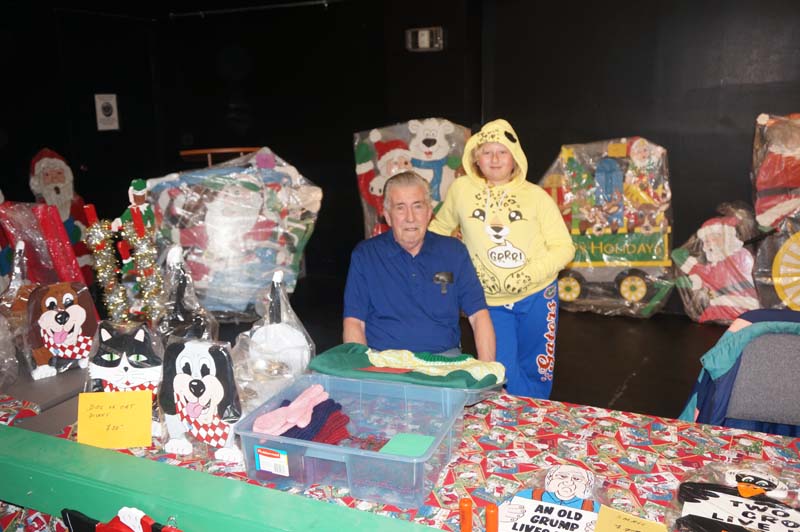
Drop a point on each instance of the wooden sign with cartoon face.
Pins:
(746, 502)
(61, 325)
(198, 396)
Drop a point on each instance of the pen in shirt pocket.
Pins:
(443, 279)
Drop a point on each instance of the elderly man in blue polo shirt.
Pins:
(405, 288)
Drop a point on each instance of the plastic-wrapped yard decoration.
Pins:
(238, 223)
(776, 168)
(126, 357)
(273, 351)
(199, 399)
(62, 322)
(183, 315)
(9, 369)
(614, 196)
(714, 268)
(777, 266)
(431, 147)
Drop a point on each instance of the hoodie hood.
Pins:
(496, 131)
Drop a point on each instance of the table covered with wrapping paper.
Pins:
(639, 460)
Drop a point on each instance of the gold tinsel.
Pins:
(144, 255)
(99, 236)
(150, 294)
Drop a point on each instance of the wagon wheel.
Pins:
(786, 272)
(633, 288)
(569, 288)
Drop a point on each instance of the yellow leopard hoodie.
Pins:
(514, 232)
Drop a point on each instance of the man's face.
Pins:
(568, 482)
(408, 216)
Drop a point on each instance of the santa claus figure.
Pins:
(51, 182)
(777, 173)
(725, 282)
(393, 157)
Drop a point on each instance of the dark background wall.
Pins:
(302, 78)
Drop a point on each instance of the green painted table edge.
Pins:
(47, 474)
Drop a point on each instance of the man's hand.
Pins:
(354, 331)
(483, 331)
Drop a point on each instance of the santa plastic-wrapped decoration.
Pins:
(776, 167)
(393, 157)
(237, 223)
(714, 270)
(51, 181)
(431, 147)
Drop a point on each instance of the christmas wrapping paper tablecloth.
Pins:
(639, 460)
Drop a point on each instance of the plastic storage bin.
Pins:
(377, 409)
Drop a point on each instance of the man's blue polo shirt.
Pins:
(396, 296)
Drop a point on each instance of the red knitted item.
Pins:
(334, 430)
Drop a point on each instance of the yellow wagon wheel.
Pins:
(569, 289)
(632, 288)
(786, 272)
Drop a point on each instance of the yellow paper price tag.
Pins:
(115, 420)
(611, 520)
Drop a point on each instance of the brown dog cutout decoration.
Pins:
(61, 325)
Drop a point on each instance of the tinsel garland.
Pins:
(99, 236)
(148, 274)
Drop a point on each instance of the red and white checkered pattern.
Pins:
(215, 433)
(80, 349)
(153, 387)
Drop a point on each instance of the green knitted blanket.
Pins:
(351, 361)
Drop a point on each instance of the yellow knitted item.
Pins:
(434, 365)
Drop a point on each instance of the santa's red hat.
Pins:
(632, 141)
(46, 157)
(386, 150)
(717, 225)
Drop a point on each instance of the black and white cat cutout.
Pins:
(199, 397)
(126, 358)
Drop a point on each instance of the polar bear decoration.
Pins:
(430, 151)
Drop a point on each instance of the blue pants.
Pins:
(526, 342)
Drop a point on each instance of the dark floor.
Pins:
(646, 366)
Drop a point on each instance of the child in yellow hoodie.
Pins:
(518, 243)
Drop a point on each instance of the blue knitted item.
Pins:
(319, 416)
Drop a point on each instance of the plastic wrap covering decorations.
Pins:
(749, 495)
(126, 357)
(8, 360)
(777, 266)
(273, 351)
(714, 268)
(14, 299)
(614, 196)
(776, 167)
(48, 251)
(183, 314)
(431, 147)
(199, 398)
(238, 223)
(62, 322)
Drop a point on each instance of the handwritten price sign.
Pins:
(115, 420)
